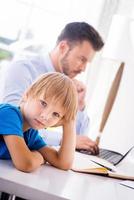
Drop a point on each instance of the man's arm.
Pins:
(16, 78)
(52, 136)
(82, 122)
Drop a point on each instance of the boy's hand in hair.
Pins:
(60, 123)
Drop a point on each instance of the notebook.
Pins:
(94, 165)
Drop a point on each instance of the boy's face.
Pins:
(74, 61)
(39, 113)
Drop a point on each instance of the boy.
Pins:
(51, 100)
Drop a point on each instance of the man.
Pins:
(75, 47)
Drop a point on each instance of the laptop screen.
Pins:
(118, 133)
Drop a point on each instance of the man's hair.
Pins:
(79, 32)
(59, 88)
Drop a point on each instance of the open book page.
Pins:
(95, 165)
(83, 160)
(125, 168)
(84, 163)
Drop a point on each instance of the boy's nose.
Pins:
(46, 115)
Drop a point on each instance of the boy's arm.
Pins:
(23, 159)
(63, 158)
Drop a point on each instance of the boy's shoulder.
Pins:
(5, 106)
(10, 118)
(9, 109)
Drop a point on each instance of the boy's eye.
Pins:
(43, 103)
(55, 114)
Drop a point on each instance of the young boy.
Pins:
(51, 100)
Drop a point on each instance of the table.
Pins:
(49, 183)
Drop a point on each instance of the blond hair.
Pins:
(60, 88)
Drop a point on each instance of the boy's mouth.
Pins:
(39, 122)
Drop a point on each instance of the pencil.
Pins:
(98, 139)
(108, 168)
(110, 100)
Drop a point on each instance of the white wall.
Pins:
(119, 129)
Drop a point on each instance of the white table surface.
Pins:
(49, 183)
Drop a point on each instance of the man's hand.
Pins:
(81, 89)
(84, 142)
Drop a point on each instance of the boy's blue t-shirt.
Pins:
(11, 123)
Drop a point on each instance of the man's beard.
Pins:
(66, 68)
(65, 64)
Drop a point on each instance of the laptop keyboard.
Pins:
(111, 156)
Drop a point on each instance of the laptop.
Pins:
(109, 155)
(117, 125)
(117, 138)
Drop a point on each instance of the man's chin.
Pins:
(73, 75)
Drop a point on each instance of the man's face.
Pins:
(73, 60)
